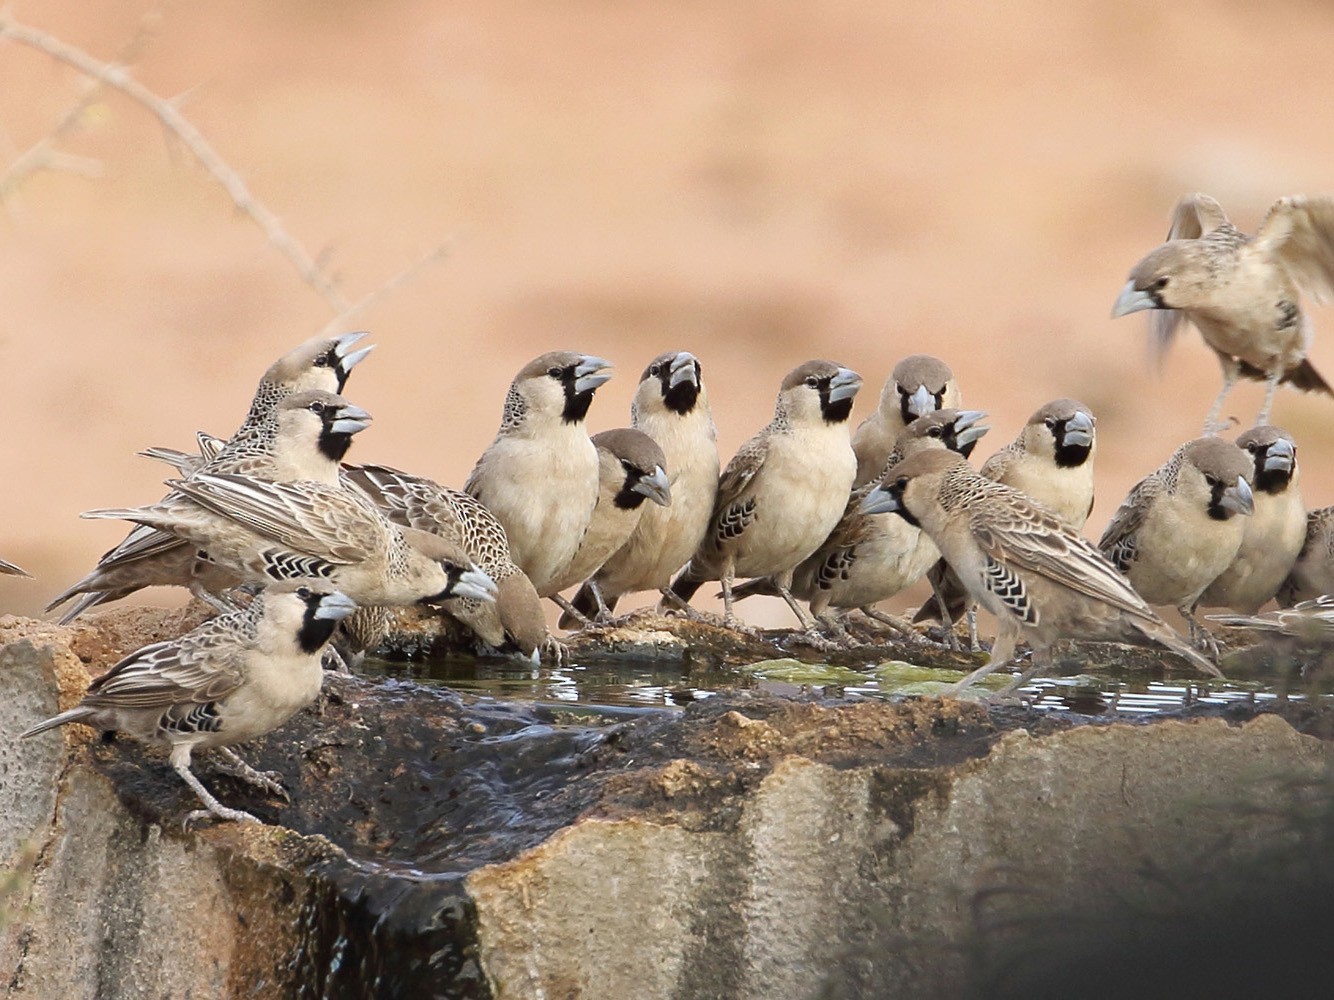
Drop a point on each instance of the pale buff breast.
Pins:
(1182, 550)
(1068, 492)
(277, 687)
(1273, 537)
(799, 495)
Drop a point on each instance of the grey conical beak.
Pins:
(335, 606)
(655, 486)
(1280, 456)
(880, 501)
(844, 385)
(682, 370)
(1239, 497)
(968, 427)
(921, 402)
(590, 373)
(351, 420)
(475, 584)
(1132, 300)
(1079, 430)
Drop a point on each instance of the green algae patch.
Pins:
(794, 671)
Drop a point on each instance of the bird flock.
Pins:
(300, 551)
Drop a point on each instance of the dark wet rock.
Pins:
(747, 846)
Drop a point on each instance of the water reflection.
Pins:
(649, 684)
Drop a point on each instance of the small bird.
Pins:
(631, 469)
(1274, 533)
(671, 405)
(1052, 462)
(1312, 575)
(515, 618)
(539, 477)
(264, 531)
(231, 679)
(868, 558)
(1310, 622)
(1037, 575)
(919, 384)
(783, 491)
(1241, 292)
(312, 432)
(1177, 529)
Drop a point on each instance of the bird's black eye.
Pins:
(901, 482)
(1253, 447)
(1050, 422)
(934, 432)
(324, 360)
(812, 381)
(655, 370)
(554, 372)
(1161, 283)
(304, 593)
(317, 407)
(1211, 479)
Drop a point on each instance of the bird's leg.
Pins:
(971, 617)
(604, 612)
(900, 625)
(670, 597)
(555, 651)
(729, 617)
(951, 640)
(219, 604)
(583, 619)
(270, 781)
(1271, 386)
(1231, 372)
(783, 581)
(1002, 652)
(180, 763)
(334, 662)
(1200, 637)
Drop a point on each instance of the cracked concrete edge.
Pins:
(874, 874)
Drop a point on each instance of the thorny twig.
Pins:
(178, 125)
(341, 321)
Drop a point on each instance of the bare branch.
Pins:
(166, 112)
(396, 282)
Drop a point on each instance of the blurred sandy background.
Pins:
(757, 182)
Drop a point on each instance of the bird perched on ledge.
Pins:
(783, 491)
(1312, 575)
(1037, 575)
(233, 678)
(1241, 292)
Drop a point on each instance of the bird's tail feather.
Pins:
(73, 715)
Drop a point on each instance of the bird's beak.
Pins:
(921, 402)
(335, 606)
(1131, 300)
(1280, 456)
(880, 501)
(682, 370)
(351, 420)
(844, 385)
(1239, 498)
(347, 361)
(475, 584)
(1079, 430)
(655, 487)
(968, 427)
(589, 374)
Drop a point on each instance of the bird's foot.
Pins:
(555, 651)
(333, 661)
(221, 812)
(904, 628)
(814, 638)
(269, 781)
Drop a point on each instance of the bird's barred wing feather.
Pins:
(1034, 540)
(333, 524)
(200, 667)
(994, 467)
(734, 508)
(1119, 541)
(1300, 231)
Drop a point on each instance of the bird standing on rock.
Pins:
(1178, 528)
(539, 477)
(783, 491)
(919, 384)
(1241, 292)
(1038, 576)
(231, 679)
(1274, 532)
(671, 405)
(630, 471)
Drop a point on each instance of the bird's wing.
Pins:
(734, 508)
(994, 467)
(332, 524)
(1030, 539)
(1300, 231)
(1196, 215)
(1119, 541)
(201, 666)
